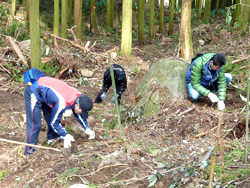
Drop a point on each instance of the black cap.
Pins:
(86, 105)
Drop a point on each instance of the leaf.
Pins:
(244, 99)
(172, 185)
(152, 180)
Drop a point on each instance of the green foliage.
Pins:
(15, 73)
(50, 69)
(153, 178)
(2, 174)
(69, 129)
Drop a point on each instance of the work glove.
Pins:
(221, 105)
(90, 133)
(213, 97)
(113, 98)
(103, 95)
(67, 141)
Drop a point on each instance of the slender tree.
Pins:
(161, 17)
(245, 13)
(93, 18)
(65, 5)
(112, 14)
(141, 7)
(35, 42)
(207, 11)
(13, 7)
(27, 11)
(237, 17)
(185, 31)
(56, 17)
(152, 19)
(126, 43)
(217, 6)
(70, 12)
(200, 9)
(171, 18)
(108, 13)
(78, 19)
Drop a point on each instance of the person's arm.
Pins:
(196, 74)
(222, 85)
(83, 122)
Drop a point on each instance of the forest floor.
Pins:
(164, 143)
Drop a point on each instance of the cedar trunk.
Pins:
(126, 43)
(35, 43)
(78, 19)
(185, 31)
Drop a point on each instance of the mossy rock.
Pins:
(163, 83)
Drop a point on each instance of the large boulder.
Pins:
(163, 83)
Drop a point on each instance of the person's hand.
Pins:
(103, 95)
(90, 133)
(213, 97)
(113, 98)
(67, 141)
(221, 105)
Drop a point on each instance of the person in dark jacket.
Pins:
(53, 97)
(206, 75)
(120, 82)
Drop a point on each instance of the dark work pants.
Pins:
(33, 109)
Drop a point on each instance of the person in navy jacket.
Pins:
(53, 97)
(120, 82)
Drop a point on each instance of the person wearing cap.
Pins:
(206, 75)
(54, 97)
(120, 82)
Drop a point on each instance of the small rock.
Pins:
(201, 42)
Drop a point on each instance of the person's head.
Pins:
(217, 61)
(83, 105)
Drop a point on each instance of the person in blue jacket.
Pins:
(53, 97)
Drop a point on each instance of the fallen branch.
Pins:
(239, 60)
(186, 111)
(31, 145)
(66, 40)
(202, 134)
(17, 50)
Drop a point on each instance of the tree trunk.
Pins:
(13, 7)
(152, 19)
(93, 18)
(171, 18)
(27, 11)
(200, 9)
(237, 12)
(207, 11)
(126, 42)
(213, 4)
(65, 5)
(78, 19)
(35, 42)
(161, 19)
(56, 17)
(245, 14)
(217, 6)
(108, 13)
(70, 12)
(185, 31)
(193, 3)
(141, 7)
(112, 14)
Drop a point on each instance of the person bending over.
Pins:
(53, 97)
(206, 75)
(120, 82)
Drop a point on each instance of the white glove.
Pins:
(67, 141)
(221, 105)
(113, 98)
(103, 95)
(90, 133)
(213, 97)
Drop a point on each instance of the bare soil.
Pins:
(163, 142)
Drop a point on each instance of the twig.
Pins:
(239, 60)
(31, 145)
(202, 134)
(120, 172)
(186, 111)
